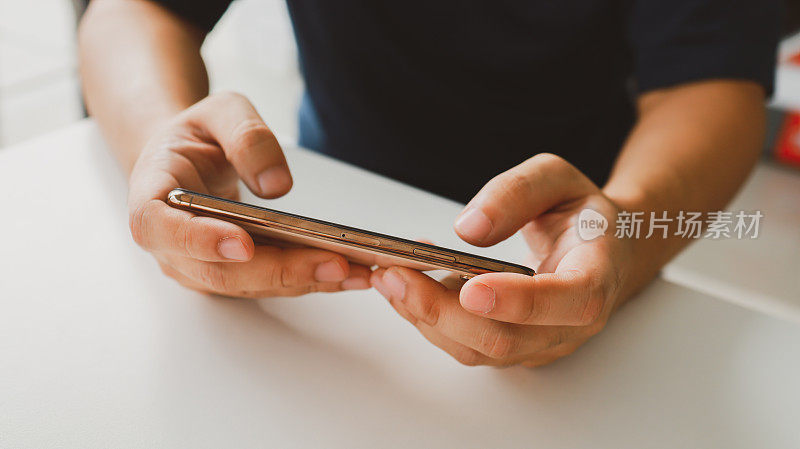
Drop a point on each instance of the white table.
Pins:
(764, 273)
(761, 273)
(98, 349)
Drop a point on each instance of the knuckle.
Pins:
(537, 308)
(429, 312)
(498, 342)
(594, 303)
(226, 96)
(594, 328)
(238, 294)
(282, 276)
(591, 311)
(177, 160)
(512, 182)
(566, 350)
(552, 164)
(245, 294)
(508, 363)
(288, 277)
(138, 221)
(135, 225)
(549, 160)
(249, 134)
(467, 357)
(615, 285)
(403, 312)
(557, 166)
(540, 362)
(192, 287)
(186, 238)
(213, 278)
(324, 288)
(555, 340)
(167, 270)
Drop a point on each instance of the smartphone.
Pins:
(268, 226)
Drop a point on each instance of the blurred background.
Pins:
(252, 51)
(40, 90)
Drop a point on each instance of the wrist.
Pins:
(645, 256)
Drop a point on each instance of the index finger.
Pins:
(519, 195)
(249, 145)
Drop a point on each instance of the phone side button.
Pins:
(433, 255)
(361, 239)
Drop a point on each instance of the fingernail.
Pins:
(395, 284)
(274, 180)
(474, 224)
(232, 248)
(330, 271)
(355, 283)
(478, 298)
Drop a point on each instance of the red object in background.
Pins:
(794, 59)
(787, 146)
(785, 142)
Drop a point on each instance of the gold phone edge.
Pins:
(314, 230)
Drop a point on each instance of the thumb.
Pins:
(249, 145)
(515, 197)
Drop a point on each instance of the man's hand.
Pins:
(690, 150)
(208, 148)
(503, 318)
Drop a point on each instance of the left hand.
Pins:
(504, 319)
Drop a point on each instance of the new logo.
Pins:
(591, 224)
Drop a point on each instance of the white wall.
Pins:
(251, 51)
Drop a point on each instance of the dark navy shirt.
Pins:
(446, 94)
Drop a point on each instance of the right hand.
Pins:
(208, 148)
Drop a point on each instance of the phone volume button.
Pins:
(433, 255)
(361, 239)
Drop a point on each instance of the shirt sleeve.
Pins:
(203, 13)
(679, 41)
